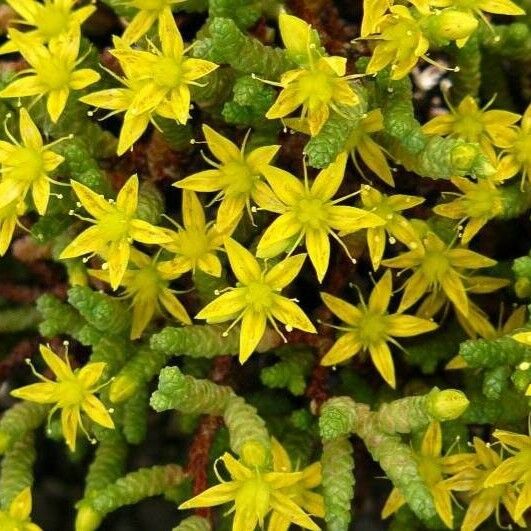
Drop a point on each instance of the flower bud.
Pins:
(452, 24)
(463, 156)
(446, 405)
(87, 519)
(254, 454)
(122, 388)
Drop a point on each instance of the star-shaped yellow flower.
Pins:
(73, 392)
(149, 12)
(158, 82)
(17, 517)
(256, 299)
(437, 267)
(195, 244)
(319, 85)
(9, 215)
(388, 207)
(115, 227)
(27, 165)
(468, 122)
(53, 70)
(255, 491)
(309, 212)
(237, 177)
(515, 469)
(49, 19)
(147, 285)
(370, 327)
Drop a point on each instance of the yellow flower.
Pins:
(255, 491)
(256, 299)
(73, 392)
(9, 215)
(195, 244)
(320, 83)
(483, 501)
(437, 267)
(433, 468)
(525, 338)
(17, 517)
(148, 287)
(49, 20)
(301, 492)
(309, 212)
(517, 156)
(372, 154)
(400, 43)
(27, 165)
(53, 71)
(497, 7)
(115, 227)
(472, 124)
(515, 469)
(479, 202)
(237, 177)
(397, 226)
(370, 327)
(157, 82)
(149, 12)
(374, 11)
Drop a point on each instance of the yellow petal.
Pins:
(252, 330)
(97, 412)
(61, 370)
(351, 219)
(415, 287)
(42, 393)
(203, 181)
(143, 311)
(443, 505)
(346, 346)
(453, 286)
(41, 194)
(432, 441)
(500, 7)
(139, 26)
(260, 157)
(69, 419)
(23, 87)
(317, 117)
(295, 34)
(56, 102)
(282, 228)
(288, 100)
(127, 198)
(20, 507)
(180, 103)
(283, 273)
(284, 505)
(393, 503)
(348, 313)
(91, 373)
(318, 246)
(242, 262)
(381, 293)
(230, 211)
(225, 306)
(516, 440)
(383, 361)
(373, 156)
(222, 148)
(408, 325)
(217, 495)
(95, 204)
(86, 242)
(144, 232)
(479, 509)
(29, 133)
(117, 99)
(210, 264)
(117, 260)
(329, 180)
(174, 306)
(440, 125)
(281, 460)
(82, 78)
(287, 312)
(286, 186)
(196, 68)
(132, 128)
(376, 242)
(469, 259)
(192, 211)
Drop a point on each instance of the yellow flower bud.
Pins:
(452, 24)
(122, 388)
(87, 519)
(254, 454)
(463, 156)
(446, 405)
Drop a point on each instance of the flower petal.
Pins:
(88, 241)
(329, 180)
(282, 228)
(227, 304)
(56, 102)
(346, 346)
(42, 393)
(29, 133)
(127, 198)
(252, 329)
(144, 232)
(203, 181)
(243, 263)
(117, 260)
(285, 185)
(91, 373)
(318, 246)
(69, 419)
(174, 306)
(95, 409)
(383, 361)
(283, 273)
(287, 312)
(453, 286)
(408, 325)
(348, 313)
(82, 78)
(381, 293)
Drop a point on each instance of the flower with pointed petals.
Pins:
(17, 517)
(319, 85)
(255, 491)
(301, 492)
(479, 202)
(53, 71)
(73, 392)
(515, 469)
(438, 267)
(396, 225)
(157, 82)
(432, 468)
(256, 299)
(374, 11)
(309, 212)
(237, 177)
(482, 501)
(9, 215)
(517, 156)
(149, 12)
(27, 165)
(489, 128)
(147, 285)
(370, 327)
(49, 20)
(195, 244)
(114, 228)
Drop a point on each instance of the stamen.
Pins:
(35, 373)
(342, 243)
(272, 83)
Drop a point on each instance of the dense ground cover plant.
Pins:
(257, 255)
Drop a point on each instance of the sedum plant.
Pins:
(259, 255)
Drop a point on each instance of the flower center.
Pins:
(522, 149)
(55, 74)
(193, 243)
(52, 21)
(311, 212)
(70, 393)
(434, 265)
(150, 5)
(116, 226)
(26, 164)
(146, 283)
(372, 328)
(238, 178)
(167, 72)
(259, 296)
(315, 86)
(483, 202)
(253, 497)
(469, 127)
(429, 469)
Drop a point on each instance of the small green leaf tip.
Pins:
(87, 519)
(338, 416)
(446, 405)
